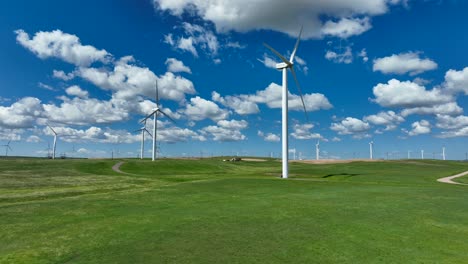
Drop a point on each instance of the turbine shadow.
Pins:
(341, 174)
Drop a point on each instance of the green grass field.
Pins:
(209, 211)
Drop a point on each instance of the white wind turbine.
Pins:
(155, 113)
(143, 131)
(284, 66)
(55, 141)
(317, 150)
(7, 147)
(443, 153)
(371, 149)
(422, 153)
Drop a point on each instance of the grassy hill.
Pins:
(210, 211)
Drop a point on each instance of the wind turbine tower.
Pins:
(155, 113)
(443, 153)
(143, 131)
(317, 150)
(422, 153)
(284, 66)
(7, 147)
(371, 149)
(55, 142)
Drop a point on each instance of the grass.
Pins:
(209, 211)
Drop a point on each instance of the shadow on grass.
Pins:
(341, 174)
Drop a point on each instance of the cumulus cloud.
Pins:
(127, 81)
(454, 126)
(351, 126)
(270, 137)
(346, 27)
(243, 15)
(457, 81)
(33, 139)
(194, 38)
(451, 109)
(57, 44)
(93, 134)
(388, 119)
(303, 132)
(408, 95)
(345, 56)
(238, 104)
(175, 65)
(75, 90)
(62, 75)
(404, 63)
(21, 114)
(226, 130)
(199, 109)
(419, 128)
(85, 111)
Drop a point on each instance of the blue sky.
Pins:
(390, 71)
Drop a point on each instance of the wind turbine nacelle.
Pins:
(281, 65)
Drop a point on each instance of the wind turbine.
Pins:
(443, 153)
(7, 147)
(55, 141)
(317, 150)
(422, 153)
(284, 66)
(143, 130)
(371, 149)
(155, 113)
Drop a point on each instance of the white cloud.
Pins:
(351, 126)
(21, 114)
(268, 61)
(419, 128)
(336, 139)
(175, 65)
(303, 132)
(388, 119)
(449, 122)
(195, 37)
(243, 15)
(272, 97)
(57, 44)
(233, 124)
(127, 81)
(462, 132)
(457, 81)
(270, 137)
(363, 55)
(226, 130)
(451, 109)
(47, 87)
(345, 57)
(93, 134)
(408, 94)
(404, 63)
(239, 105)
(85, 111)
(199, 109)
(346, 27)
(33, 139)
(77, 91)
(62, 75)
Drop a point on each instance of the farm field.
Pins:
(210, 211)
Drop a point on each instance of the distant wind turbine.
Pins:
(443, 153)
(284, 66)
(155, 113)
(317, 150)
(143, 131)
(7, 147)
(55, 141)
(422, 153)
(371, 149)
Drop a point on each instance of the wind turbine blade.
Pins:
(277, 53)
(168, 117)
(148, 132)
(148, 116)
(52, 129)
(291, 60)
(157, 93)
(300, 92)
